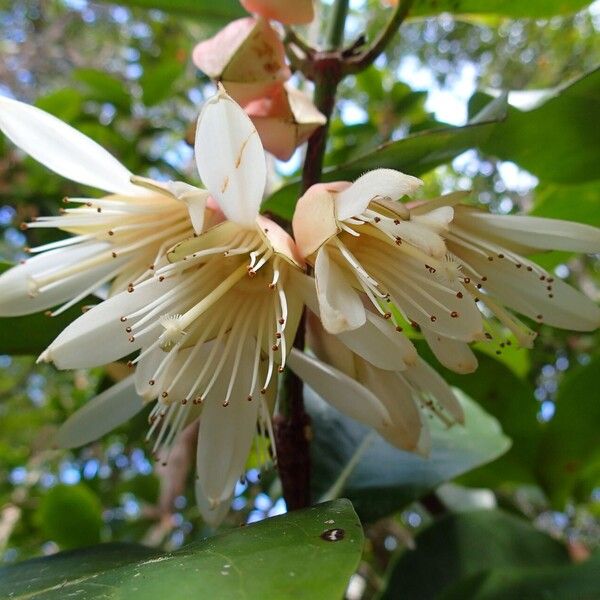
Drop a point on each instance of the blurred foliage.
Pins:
(121, 74)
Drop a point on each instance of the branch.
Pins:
(362, 61)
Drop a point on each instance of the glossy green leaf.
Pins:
(505, 8)
(71, 515)
(578, 581)
(464, 544)
(157, 82)
(104, 87)
(569, 446)
(290, 556)
(385, 478)
(557, 141)
(415, 155)
(219, 12)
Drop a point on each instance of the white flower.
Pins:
(119, 238)
(365, 244)
(215, 325)
(490, 250)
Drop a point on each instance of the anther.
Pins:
(488, 335)
(490, 258)
(123, 319)
(459, 294)
(114, 254)
(131, 338)
(280, 369)
(111, 232)
(23, 226)
(151, 382)
(128, 329)
(161, 278)
(281, 321)
(433, 318)
(518, 265)
(387, 315)
(278, 335)
(396, 221)
(249, 398)
(398, 328)
(500, 255)
(376, 219)
(274, 347)
(454, 314)
(530, 269)
(164, 394)
(263, 391)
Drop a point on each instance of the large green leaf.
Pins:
(415, 154)
(505, 8)
(219, 12)
(557, 141)
(569, 449)
(385, 478)
(543, 583)
(291, 556)
(464, 544)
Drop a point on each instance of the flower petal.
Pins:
(100, 415)
(19, 293)
(384, 183)
(453, 354)
(280, 240)
(284, 11)
(230, 158)
(98, 336)
(533, 232)
(212, 512)
(341, 391)
(340, 306)
(63, 149)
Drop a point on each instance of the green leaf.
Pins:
(463, 544)
(157, 82)
(557, 141)
(104, 87)
(220, 12)
(66, 104)
(385, 478)
(506, 8)
(281, 557)
(544, 583)
(569, 446)
(71, 515)
(415, 154)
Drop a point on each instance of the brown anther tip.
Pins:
(484, 278)
(550, 279)
(398, 328)
(164, 464)
(549, 288)
(184, 401)
(459, 294)
(550, 295)
(387, 315)
(542, 277)
(278, 335)
(114, 254)
(99, 210)
(65, 200)
(128, 329)
(151, 382)
(478, 286)
(164, 395)
(488, 335)
(161, 278)
(530, 269)
(498, 352)
(280, 369)
(251, 273)
(396, 221)
(271, 286)
(23, 226)
(249, 398)
(502, 344)
(130, 364)
(454, 314)
(226, 403)
(518, 265)
(508, 343)
(111, 232)
(123, 319)
(467, 280)
(376, 219)
(151, 267)
(275, 347)
(398, 242)
(476, 299)
(26, 249)
(433, 318)
(62, 211)
(539, 317)
(281, 321)
(263, 391)
(131, 339)
(48, 313)
(500, 255)
(490, 258)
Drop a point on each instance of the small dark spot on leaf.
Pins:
(333, 535)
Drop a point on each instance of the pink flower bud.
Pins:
(284, 11)
(284, 118)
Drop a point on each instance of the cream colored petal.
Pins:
(384, 183)
(219, 236)
(282, 243)
(63, 149)
(100, 415)
(340, 306)
(212, 512)
(314, 219)
(341, 391)
(230, 158)
(437, 219)
(453, 354)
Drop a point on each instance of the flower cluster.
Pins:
(207, 294)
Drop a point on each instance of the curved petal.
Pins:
(230, 158)
(63, 149)
(340, 306)
(99, 336)
(383, 183)
(280, 240)
(341, 391)
(19, 291)
(453, 354)
(100, 415)
(212, 512)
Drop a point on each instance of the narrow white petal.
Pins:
(534, 232)
(426, 379)
(213, 513)
(341, 391)
(63, 149)
(226, 433)
(230, 158)
(19, 292)
(340, 306)
(194, 198)
(453, 354)
(99, 337)
(380, 183)
(100, 415)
